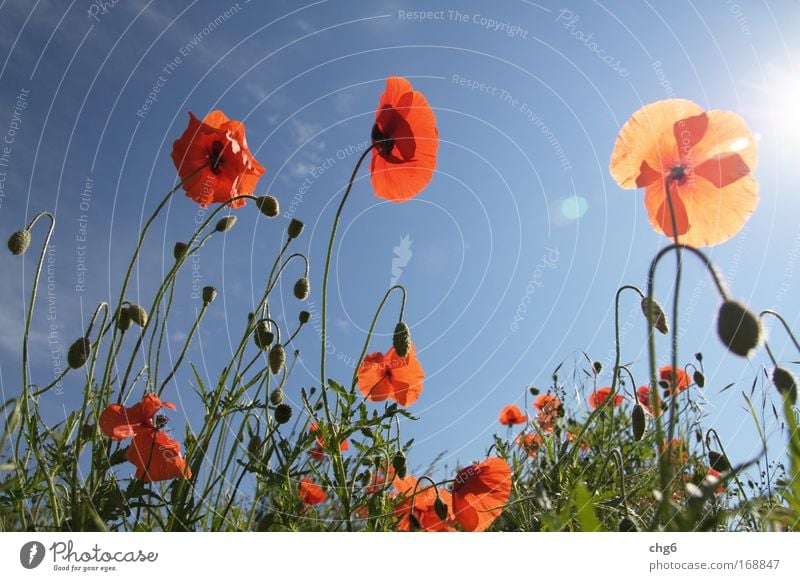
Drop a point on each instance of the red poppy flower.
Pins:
(405, 139)
(391, 376)
(584, 447)
(680, 378)
(155, 455)
(643, 395)
(708, 157)
(547, 402)
(424, 511)
(530, 442)
(318, 450)
(310, 493)
(598, 396)
(512, 415)
(213, 160)
(713, 477)
(479, 493)
(550, 410)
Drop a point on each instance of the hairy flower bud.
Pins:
(400, 464)
(301, 289)
(401, 340)
(262, 335)
(276, 397)
(786, 384)
(268, 205)
(277, 358)
(718, 461)
(138, 315)
(78, 353)
(209, 294)
(283, 413)
(19, 242)
(658, 319)
(626, 525)
(225, 223)
(295, 228)
(440, 507)
(180, 250)
(699, 378)
(254, 446)
(123, 319)
(638, 422)
(738, 328)
(304, 317)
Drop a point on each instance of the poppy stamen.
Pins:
(215, 157)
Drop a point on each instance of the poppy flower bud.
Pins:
(301, 289)
(413, 522)
(225, 224)
(699, 378)
(209, 294)
(718, 461)
(180, 249)
(401, 340)
(295, 228)
(534, 391)
(400, 464)
(699, 357)
(637, 421)
(784, 381)
(268, 205)
(254, 445)
(19, 242)
(123, 320)
(738, 328)
(440, 507)
(304, 317)
(277, 358)
(283, 413)
(262, 335)
(138, 315)
(626, 525)
(78, 353)
(597, 366)
(276, 397)
(658, 319)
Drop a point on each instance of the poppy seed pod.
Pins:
(180, 249)
(78, 353)
(277, 358)
(304, 317)
(209, 294)
(658, 319)
(123, 320)
(276, 397)
(262, 335)
(225, 224)
(138, 315)
(784, 381)
(295, 228)
(637, 422)
(440, 507)
(283, 413)
(268, 205)
(19, 242)
(301, 289)
(401, 340)
(738, 328)
(400, 464)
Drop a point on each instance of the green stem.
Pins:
(375, 321)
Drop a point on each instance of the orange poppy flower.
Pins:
(310, 493)
(708, 156)
(598, 396)
(213, 160)
(424, 511)
(547, 402)
(479, 493)
(391, 376)
(550, 410)
(570, 437)
(713, 476)
(378, 480)
(512, 415)
(643, 395)
(155, 455)
(680, 378)
(530, 442)
(405, 139)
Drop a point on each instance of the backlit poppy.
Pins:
(530, 442)
(512, 415)
(479, 493)
(598, 396)
(391, 376)
(643, 395)
(550, 410)
(310, 493)
(213, 160)
(708, 156)
(424, 516)
(155, 455)
(405, 139)
(547, 402)
(680, 378)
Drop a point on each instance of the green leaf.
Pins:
(584, 506)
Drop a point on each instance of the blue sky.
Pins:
(522, 219)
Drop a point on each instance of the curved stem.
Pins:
(786, 327)
(374, 322)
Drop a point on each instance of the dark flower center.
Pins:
(215, 158)
(383, 143)
(677, 173)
